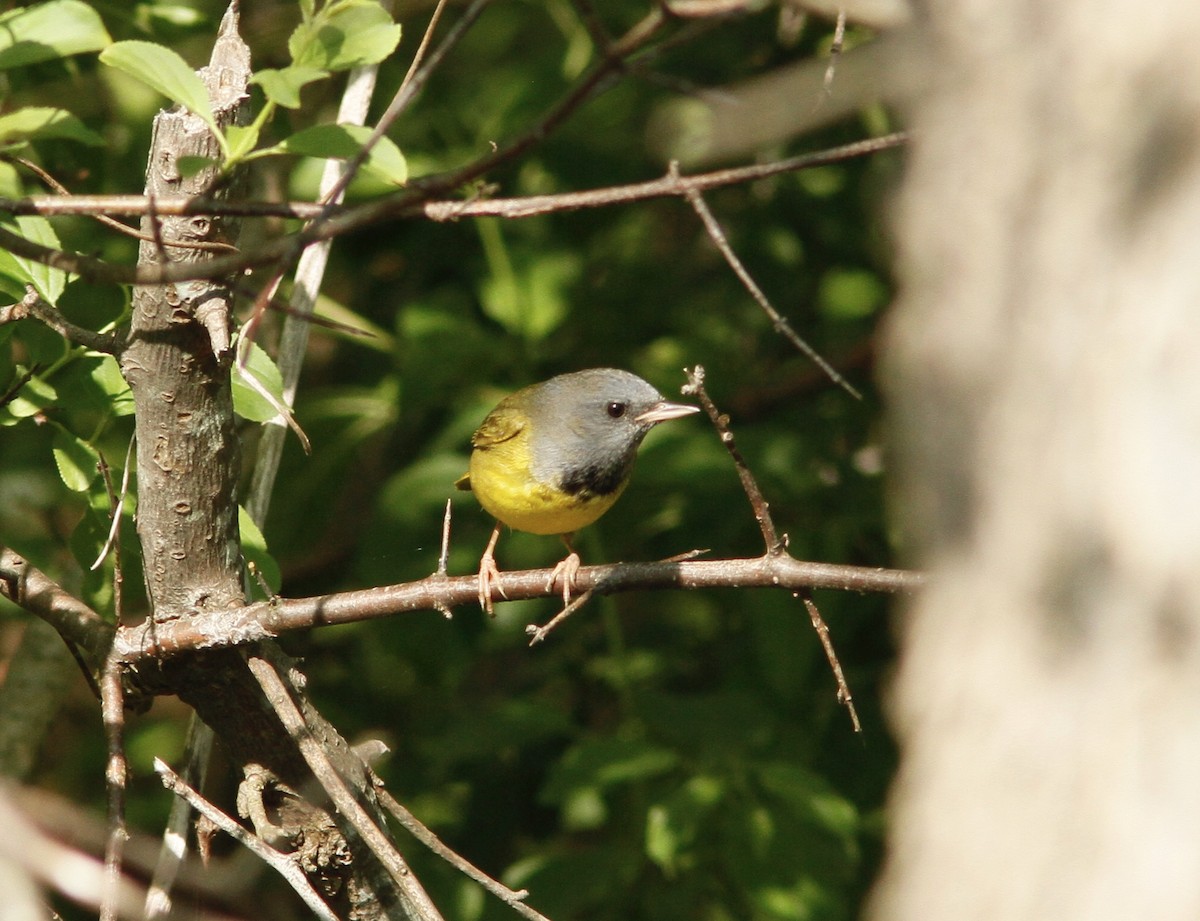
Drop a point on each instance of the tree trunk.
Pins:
(178, 367)
(1043, 373)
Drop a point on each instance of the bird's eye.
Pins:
(616, 409)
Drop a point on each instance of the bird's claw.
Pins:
(489, 577)
(567, 569)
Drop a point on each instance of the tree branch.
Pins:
(267, 619)
(28, 587)
(32, 305)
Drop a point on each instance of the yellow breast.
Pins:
(502, 481)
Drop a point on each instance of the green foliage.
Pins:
(257, 385)
(165, 72)
(34, 123)
(45, 31)
(662, 755)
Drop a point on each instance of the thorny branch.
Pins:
(717, 235)
(408, 821)
(776, 545)
(762, 511)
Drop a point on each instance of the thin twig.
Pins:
(35, 307)
(117, 502)
(413, 82)
(173, 850)
(835, 51)
(762, 511)
(536, 634)
(416, 902)
(775, 545)
(283, 864)
(444, 560)
(116, 776)
(417, 199)
(717, 235)
(444, 556)
(116, 225)
(672, 185)
(835, 666)
(414, 826)
(112, 708)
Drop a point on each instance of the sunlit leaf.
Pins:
(247, 401)
(57, 29)
(42, 122)
(606, 762)
(242, 139)
(34, 397)
(355, 34)
(76, 461)
(106, 375)
(674, 824)
(48, 281)
(254, 549)
(283, 86)
(342, 142)
(164, 71)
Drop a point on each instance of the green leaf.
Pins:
(76, 461)
(190, 165)
(48, 281)
(675, 824)
(811, 797)
(851, 294)
(107, 376)
(606, 762)
(529, 302)
(242, 139)
(247, 401)
(341, 142)
(354, 34)
(254, 550)
(150, 14)
(36, 396)
(164, 71)
(42, 122)
(57, 29)
(283, 87)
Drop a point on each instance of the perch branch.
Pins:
(267, 619)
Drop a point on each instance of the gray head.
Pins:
(589, 425)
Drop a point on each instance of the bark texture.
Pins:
(1043, 374)
(178, 367)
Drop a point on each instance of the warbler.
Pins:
(555, 456)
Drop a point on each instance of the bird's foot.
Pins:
(567, 569)
(489, 578)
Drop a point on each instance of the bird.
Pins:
(553, 457)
